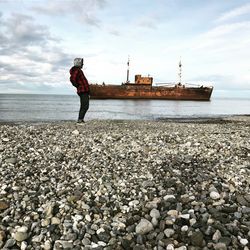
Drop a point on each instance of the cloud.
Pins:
(225, 39)
(19, 31)
(219, 55)
(114, 32)
(30, 57)
(147, 22)
(82, 10)
(226, 29)
(239, 11)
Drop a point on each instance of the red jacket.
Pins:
(76, 75)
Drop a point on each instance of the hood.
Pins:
(78, 62)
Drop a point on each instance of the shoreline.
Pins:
(198, 119)
(126, 184)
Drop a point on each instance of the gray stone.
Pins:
(197, 239)
(126, 243)
(104, 236)
(154, 213)
(86, 242)
(60, 177)
(216, 236)
(65, 244)
(169, 232)
(220, 246)
(237, 215)
(242, 201)
(144, 227)
(139, 239)
(146, 184)
(247, 197)
(70, 237)
(10, 243)
(154, 221)
(246, 210)
(37, 238)
(12, 160)
(225, 240)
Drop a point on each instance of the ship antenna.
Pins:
(128, 71)
(180, 65)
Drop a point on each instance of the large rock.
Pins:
(144, 227)
(20, 236)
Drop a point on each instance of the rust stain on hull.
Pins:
(145, 91)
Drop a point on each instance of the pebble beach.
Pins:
(122, 184)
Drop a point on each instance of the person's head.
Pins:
(78, 62)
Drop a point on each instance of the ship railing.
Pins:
(199, 85)
(184, 85)
(164, 83)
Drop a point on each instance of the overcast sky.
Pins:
(39, 40)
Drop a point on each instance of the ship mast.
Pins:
(127, 71)
(180, 71)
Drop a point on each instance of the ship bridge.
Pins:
(143, 80)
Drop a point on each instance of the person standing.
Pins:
(79, 80)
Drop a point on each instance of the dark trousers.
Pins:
(84, 105)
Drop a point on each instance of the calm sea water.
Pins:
(21, 107)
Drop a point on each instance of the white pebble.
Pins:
(167, 197)
(215, 195)
(185, 216)
(243, 242)
(170, 247)
(100, 230)
(181, 248)
(24, 245)
(75, 132)
(133, 203)
(87, 217)
(184, 228)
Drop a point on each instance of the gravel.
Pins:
(125, 185)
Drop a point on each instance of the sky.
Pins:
(39, 40)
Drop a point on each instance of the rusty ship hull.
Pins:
(145, 91)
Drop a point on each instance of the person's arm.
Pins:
(85, 83)
(74, 76)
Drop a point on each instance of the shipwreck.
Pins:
(143, 88)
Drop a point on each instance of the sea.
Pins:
(52, 108)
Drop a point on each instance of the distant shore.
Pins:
(126, 184)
